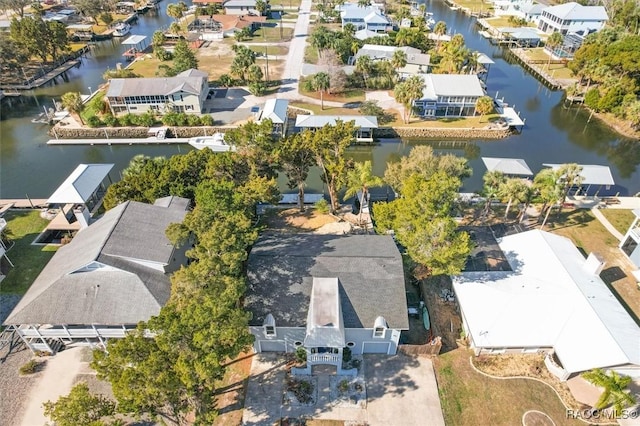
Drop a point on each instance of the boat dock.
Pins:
(44, 79)
(22, 203)
(528, 64)
(116, 141)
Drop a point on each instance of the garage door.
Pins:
(272, 346)
(376, 347)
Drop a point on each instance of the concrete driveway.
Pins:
(400, 390)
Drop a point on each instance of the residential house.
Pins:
(364, 34)
(324, 293)
(215, 27)
(449, 95)
(512, 167)
(276, 111)
(531, 12)
(240, 7)
(548, 299)
(364, 18)
(417, 62)
(572, 18)
(111, 276)
(365, 124)
(185, 92)
(630, 244)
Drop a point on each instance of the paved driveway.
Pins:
(401, 390)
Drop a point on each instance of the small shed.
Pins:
(508, 166)
(365, 124)
(136, 44)
(276, 111)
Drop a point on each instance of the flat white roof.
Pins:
(592, 174)
(549, 299)
(509, 166)
(134, 39)
(317, 121)
(80, 184)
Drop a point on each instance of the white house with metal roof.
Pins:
(240, 7)
(324, 293)
(276, 111)
(111, 276)
(508, 166)
(630, 244)
(364, 123)
(572, 17)
(364, 18)
(186, 92)
(447, 95)
(551, 299)
(417, 62)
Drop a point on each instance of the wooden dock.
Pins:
(115, 141)
(527, 64)
(22, 203)
(44, 79)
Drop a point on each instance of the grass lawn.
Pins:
(351, 95)
(589, 235)
(504, 22)
(147, 67)
(469, 398)
(271, 35)
(328, 110)
(621, 219)
(22, 228)
(287, 4)
(474, 4)
(310, 54)
(280, 51)
(555, 70)
(231, 391)
(449, 123)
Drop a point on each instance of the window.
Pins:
(378, 332)
(379, 328)
(269, 330)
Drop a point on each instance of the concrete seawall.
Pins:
(131, 132)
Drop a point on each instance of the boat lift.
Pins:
(138, 46)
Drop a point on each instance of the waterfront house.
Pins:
(572, 18)
(449, 95)
(185, 92)
(364, 18)
(630, 244)
(240, 7)
(111, 276)
(417, 62)
(365, 124)
(548, 299)
(324, 293)
(511, 167)
(276, 111)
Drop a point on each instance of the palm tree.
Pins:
(512, 189)
(439, 29)
(484, 106)
(492, 182)
(364, 65)
(72, 101)
(570, 175)
(528, 197)
(408, 91)
(615, 392)
(552, 43)
(321, 83)
(349, 29)
(399, 59)
(548, 191)
(361, 178)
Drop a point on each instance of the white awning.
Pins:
(592, 174)
(81, 184)
(508, 166)
(134, 39)
(80, 27)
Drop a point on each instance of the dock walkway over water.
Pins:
(115, 141)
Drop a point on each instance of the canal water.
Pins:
(553, 133)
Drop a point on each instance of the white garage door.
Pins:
(272, 346)
(375, 348)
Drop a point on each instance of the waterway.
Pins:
(553, 133)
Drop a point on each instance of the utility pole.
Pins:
(266, 54)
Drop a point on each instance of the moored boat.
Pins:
(121, 29)
(215, 143)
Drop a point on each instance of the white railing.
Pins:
(324, 358)
(73, 333)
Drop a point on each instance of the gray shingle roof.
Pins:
(189, 81)
(94, 280)
(369, 267)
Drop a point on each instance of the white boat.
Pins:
(121, 29)
(215, 143)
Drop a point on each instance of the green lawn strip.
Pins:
(22, 229)
(272, 50)
(310, 54)
(621, 219)
(271, 34)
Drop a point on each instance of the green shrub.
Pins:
(162, 54)
(182, 119)
(93, 121)
(170, 119)
(301, 355)
(592, 99)
(126, 120)
(32, 366)
(611, 99)
(147, 119)
(193, 120)
(346, 354)
(111, 120)
(343, 386)
(257, 88)
(206, 120)
(322, 206)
